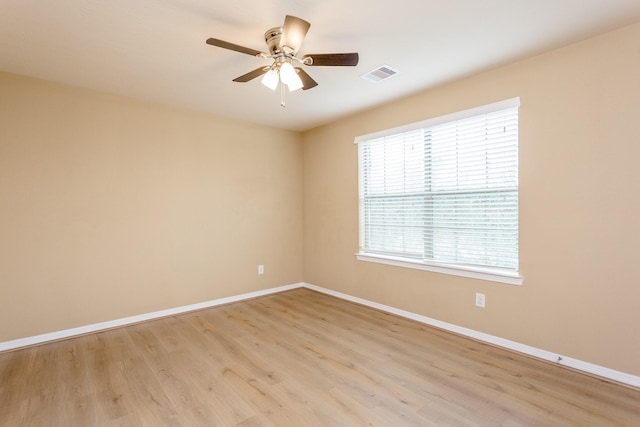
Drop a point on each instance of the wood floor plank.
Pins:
(297, 358)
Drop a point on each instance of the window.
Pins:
(442, 194)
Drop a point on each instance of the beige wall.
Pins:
(579, 205)
(111, 208)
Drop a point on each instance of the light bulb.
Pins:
(270, 79)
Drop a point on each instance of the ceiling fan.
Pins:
(284, 43)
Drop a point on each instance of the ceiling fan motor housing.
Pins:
(272, 37)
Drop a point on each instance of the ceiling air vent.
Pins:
(379, 74)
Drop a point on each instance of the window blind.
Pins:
(444, 191)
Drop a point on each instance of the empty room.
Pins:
(291, 213)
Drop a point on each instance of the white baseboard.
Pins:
(97, 327)
(590, 368)
(580, 365)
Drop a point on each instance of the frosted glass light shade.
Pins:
(295, 83)
(290, 77)
(287, 73)
(270, 79)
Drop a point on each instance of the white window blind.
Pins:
(444, 191)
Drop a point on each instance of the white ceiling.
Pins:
(155, 49)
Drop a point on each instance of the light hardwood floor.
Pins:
(297, 358)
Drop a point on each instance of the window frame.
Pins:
(508, 276)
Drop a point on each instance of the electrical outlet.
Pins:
(480, 300)
(261, 269)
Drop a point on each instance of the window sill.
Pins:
(470, 272)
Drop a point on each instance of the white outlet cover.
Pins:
(480, 300)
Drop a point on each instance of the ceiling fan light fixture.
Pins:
(270, 79)
(289, 76)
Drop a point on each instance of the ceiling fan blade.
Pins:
(293, 32)
(226, 45)
(251, 75)
(307, 81)
(333, 59)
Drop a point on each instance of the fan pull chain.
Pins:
(282, 95)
